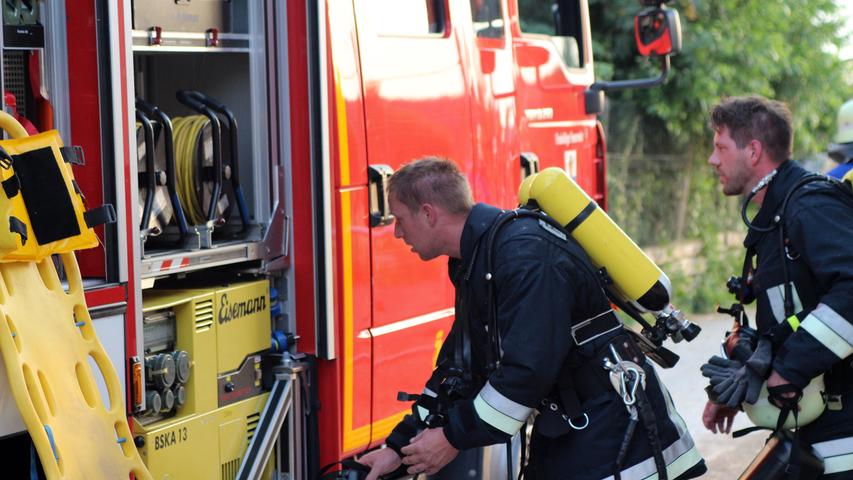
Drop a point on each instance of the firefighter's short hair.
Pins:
(432, 180)
(753, 117)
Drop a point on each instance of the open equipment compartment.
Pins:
(220, 68)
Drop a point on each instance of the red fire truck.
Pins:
(251, 293)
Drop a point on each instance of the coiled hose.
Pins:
(187, 132)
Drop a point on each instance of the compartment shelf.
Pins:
(144, 41)
(171, 261)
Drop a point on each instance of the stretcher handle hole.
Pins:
(86, 384)
(102, 369)
(35, 393)
(3, 289)
(14, 331)
(57, 457)
(83, 322)
(71, 273)
(48, 393)
(47, 274)
(122, 434)
(7, 281)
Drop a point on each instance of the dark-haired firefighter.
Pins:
(530, 337)
(798, 270)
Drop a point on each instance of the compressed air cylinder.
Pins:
(635, 276)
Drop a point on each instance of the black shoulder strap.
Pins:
(503, 220)
(11, 186)
(743, 294)
(19, 227)
(73, 155)
(100, 215)
(788, 301)
(462, 346)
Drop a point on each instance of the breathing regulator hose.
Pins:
(762, 184)
(188, 131)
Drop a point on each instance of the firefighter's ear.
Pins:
(430, 213)
(754, 150)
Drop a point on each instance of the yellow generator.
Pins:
(204, 395)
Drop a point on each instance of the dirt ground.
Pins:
(725, 456)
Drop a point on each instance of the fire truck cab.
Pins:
(251, 295)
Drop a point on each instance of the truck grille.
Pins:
(14, 77)
(203, 316)
(252, 425)
(229, 469)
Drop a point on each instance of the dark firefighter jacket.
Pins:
(818, 225)
(544, 283)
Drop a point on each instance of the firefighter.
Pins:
(841, 149)
(798, 269)
(533, 333)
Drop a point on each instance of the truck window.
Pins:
(488, 21)
(561, 21)
(409, 17)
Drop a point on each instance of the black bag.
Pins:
(784, 457)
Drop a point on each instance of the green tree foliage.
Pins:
(784, 49)
(661, 188)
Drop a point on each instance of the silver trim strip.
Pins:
(55, 60)
(830, 329)
(647, 470)
(407, 323)
(331, 347)
(831, 448)
(189, 35)
(833, 320)
(563, 123)
(495, 417)
(260, 123)
(124, 212)
(505, 405)
(175, 49)
(776, 297)
(837, 455)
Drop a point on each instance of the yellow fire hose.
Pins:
(187, 132)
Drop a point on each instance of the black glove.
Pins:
(735, 382)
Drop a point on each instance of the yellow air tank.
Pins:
(635, 277)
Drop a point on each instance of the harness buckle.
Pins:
(833, 402)
(571, 424)
(576, 330)
(626, 377)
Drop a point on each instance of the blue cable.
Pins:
(34, 472)
(50, 438)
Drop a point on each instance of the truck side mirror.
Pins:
(657, 31)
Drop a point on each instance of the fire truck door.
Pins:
(554, 55)
(416, 104)
(494, 109)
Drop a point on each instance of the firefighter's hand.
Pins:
(790, 395)
(718, 417)
(774, 380)
(382, 461)
(428, 452)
